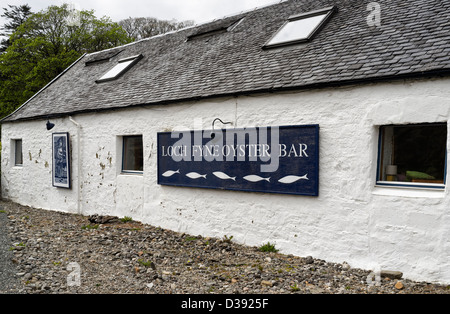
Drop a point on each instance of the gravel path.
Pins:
(9, 282)
(53, 252)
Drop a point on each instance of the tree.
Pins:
(16, 16)
(144, 27)
(45, 44)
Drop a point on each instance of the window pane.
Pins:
(297, 29)
(18, 153)
(414, 153)
(115, 71)
(133, 153)
(121, 67)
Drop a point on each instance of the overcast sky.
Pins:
(181, 10)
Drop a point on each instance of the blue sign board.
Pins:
(61, 160)
(282, 159)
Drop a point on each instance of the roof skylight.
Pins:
(215, 28)
(102, 57)
(119, 69)
(300, 28)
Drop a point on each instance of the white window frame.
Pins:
(381, 163)
(15, 152)
(325, 13)
(119, 69)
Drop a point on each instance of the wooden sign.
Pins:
(281, 159)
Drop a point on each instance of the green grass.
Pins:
(295, 287)
(145, 263)
(126, 219)
(89, 227)
(268, 247)
(227, 239)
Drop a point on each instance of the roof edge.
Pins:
(321, 85)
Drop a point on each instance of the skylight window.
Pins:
(300, 28)
(215, 28)
(120, 68)
(102, 57)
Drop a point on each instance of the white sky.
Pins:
(198, 10)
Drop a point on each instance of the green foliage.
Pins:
(126, 219)
(145, 263)
(227, 239)
(45, 44)
(268, 248)
(295, 288)
(89, 227)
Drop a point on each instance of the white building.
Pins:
(374, 79)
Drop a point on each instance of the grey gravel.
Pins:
(9, 281)
(48, 252)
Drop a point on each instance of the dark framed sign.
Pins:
(281, 159)
(61, 160)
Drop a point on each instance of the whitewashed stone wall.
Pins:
(351, 220)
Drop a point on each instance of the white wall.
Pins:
(351, 220)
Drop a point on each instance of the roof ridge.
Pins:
(188, 27)
(243, 12)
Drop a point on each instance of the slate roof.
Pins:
(413, 40)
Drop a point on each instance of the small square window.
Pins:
(133, 154)
(18, 156)
(300, 28)
(119, 69)
(413, 155)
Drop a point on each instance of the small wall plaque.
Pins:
(61, 160)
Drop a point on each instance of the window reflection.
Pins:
(413, 153)
(133, 153)
(298, 29)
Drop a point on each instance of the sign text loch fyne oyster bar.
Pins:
(282, 159)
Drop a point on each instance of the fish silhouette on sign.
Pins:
(195, 175)
(292, 179)
(223, 176)
(170, 173)
(255, 178)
